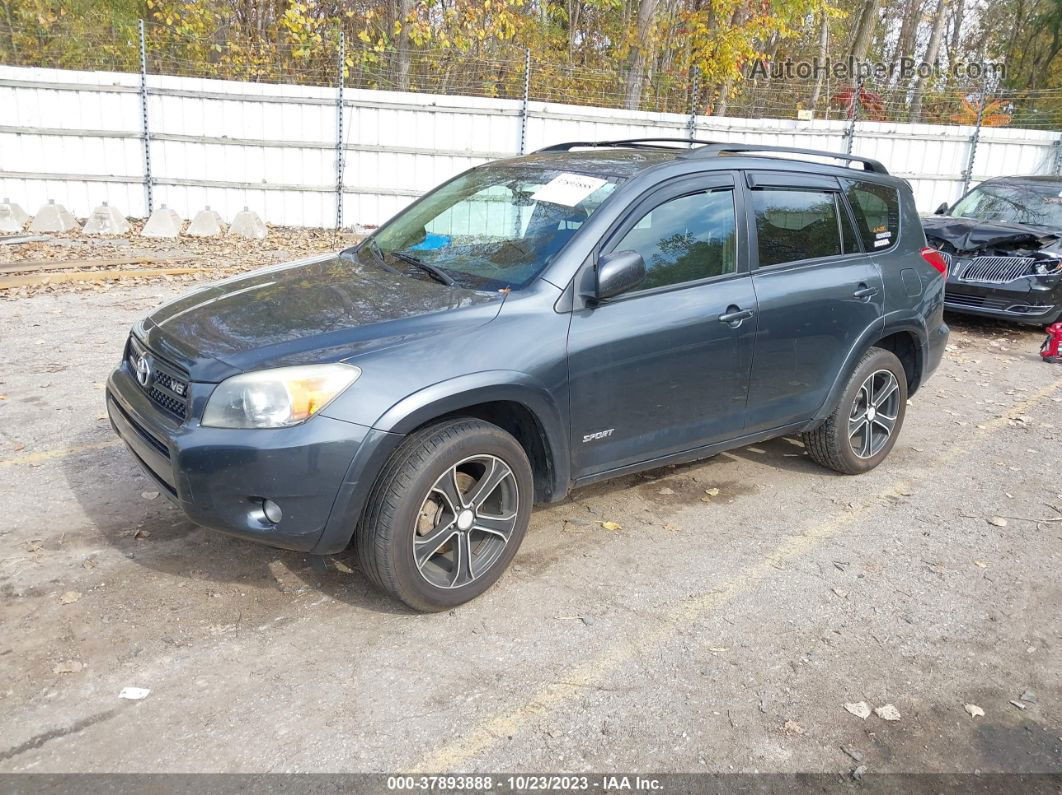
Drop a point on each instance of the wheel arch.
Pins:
(513, 401)
(906, 339)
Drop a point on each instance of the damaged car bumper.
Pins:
(1003, 287)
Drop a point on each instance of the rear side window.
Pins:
(685, 239)
(877, 213)
(793, 225)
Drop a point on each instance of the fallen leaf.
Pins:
(712, 492)
(859, 709)
(666, 491)
(998, 521)
(1018, 704)
(974, 710)
(887, 712)
(134, 693)
(718, 649)
(68, 667)
(149, 495)
(980, 564)
(841, 593)
(69, 598)
(141, 533)
(611, 526)
(791, 727)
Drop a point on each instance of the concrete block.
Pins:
(206, 223)
(248, 224)
(106, 220)
(12, 217)
(164, 222)
(53, 217)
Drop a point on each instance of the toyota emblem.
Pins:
(143, 371)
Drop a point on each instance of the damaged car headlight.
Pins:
(1048, 266)
(277, 398)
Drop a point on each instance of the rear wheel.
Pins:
(447, 514)
(862, 429)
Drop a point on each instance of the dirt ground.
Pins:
(712, 632)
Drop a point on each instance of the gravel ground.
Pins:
(218, 256)
(708, 633)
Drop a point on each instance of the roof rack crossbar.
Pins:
(709, 150)
(624, 142)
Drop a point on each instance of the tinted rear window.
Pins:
(877, 212)
(794, 225)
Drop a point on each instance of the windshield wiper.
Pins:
(437, 273)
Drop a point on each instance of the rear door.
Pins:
(656, 370)
(817, 292)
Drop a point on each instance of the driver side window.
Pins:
(685, 239)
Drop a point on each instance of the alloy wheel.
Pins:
(874, 413)
(465, 521)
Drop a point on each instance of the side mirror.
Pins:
(619, 272)
(942, 209)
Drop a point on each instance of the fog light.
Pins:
(272, 511)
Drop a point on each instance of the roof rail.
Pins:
(633, 143)
(710, 150)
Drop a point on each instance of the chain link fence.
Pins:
(503, 72)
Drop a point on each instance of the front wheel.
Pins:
(862, 429)
(447, 514)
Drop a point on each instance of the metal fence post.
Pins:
(691, 123)
(145, 130)
(967, 174)
(527, 98)
(339, 128)
(1058, 156)
(851, 131)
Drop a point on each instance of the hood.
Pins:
(323, 309)
(969, 234)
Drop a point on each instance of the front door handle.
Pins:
(734, 315)
(865, 292)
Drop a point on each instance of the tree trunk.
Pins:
(930, 58)
(636, 59)
(405, 8)
(864, 34)
(824, 35)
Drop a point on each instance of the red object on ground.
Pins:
(1051, 350)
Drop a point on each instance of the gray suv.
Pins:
(533, 325)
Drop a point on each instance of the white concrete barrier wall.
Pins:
(75, 137)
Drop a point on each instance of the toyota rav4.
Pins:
(533, 325)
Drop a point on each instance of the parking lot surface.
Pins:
(740, 605)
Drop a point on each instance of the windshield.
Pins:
(1038, 205)
(495, 227)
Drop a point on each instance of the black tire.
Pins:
(834, 444)
(410, 504)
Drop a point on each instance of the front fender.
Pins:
(488, 386)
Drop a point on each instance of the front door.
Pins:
(665, 367)
(817, 294)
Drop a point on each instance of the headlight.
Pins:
(277, 398)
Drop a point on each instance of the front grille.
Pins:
(167, 385)
(975, 300)
(996, 270)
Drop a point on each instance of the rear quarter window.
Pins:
(877, 213)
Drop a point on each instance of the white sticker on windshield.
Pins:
(567, 189)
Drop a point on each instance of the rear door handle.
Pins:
(734, 315)
(865, 292)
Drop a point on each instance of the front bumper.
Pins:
(1034, 300)
(219, 476)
